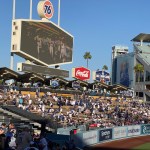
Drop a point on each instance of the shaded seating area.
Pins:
(62, 82)
(31, 77)
(119, 87)
(64, 85)
(7, 74)
(80, 82)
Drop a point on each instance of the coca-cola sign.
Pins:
(81, 73)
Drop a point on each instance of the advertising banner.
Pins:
(89, 138)
(125, 65)
(105, 134)
(145, 129)
(54, 83)
(81, 128)
(45, 9)
(120, 132)
(65, 131)
(76, 84)
(102, 76)
(81, 73)
(134, 130)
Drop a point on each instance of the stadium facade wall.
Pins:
(109, 134)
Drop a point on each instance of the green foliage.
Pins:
(1, 81)
(138, 69)
(87, 56)
(105, 67)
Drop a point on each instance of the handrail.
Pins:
(138, 54)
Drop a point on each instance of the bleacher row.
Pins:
(81, 118)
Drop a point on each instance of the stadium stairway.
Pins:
(20, 115)
(143, 56)
(17, 119)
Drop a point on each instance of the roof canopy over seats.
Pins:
(7, 74)
(142, 37)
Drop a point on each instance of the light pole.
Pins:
(30, 9)
(11, 54)
(58, 12)
(14, 8)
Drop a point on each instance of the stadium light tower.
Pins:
(30, 9)
(13, 17)
(14, 7)
(57, 66)
(58, 12)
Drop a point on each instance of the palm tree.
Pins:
(138, 69)
(103, 71)
(105, 67)
(87, 56)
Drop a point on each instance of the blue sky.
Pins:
(96, 25)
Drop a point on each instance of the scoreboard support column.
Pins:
(11, 61)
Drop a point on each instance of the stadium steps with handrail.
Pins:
(147, 93)
(143, 54)
(18, 118)
(27, 117)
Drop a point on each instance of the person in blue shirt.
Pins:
(10, 142)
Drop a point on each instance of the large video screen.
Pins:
(125, 73)
(102, 76)
(46, 42)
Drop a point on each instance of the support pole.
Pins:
(58, 12)
(14, 8)
(30, 9)
(141, 42)
(58, 22)
(12, 61)
(13, 17)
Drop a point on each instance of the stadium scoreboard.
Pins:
(24, 67)
(42, 42)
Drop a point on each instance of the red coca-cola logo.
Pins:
(82, 73)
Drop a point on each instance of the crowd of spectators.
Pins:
(105, 112)
(12, 138)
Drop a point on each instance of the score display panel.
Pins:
(23, 67)
(43, 43)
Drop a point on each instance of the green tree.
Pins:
(138, 69)
(87, 56)
(103, 70)
(105, 67)
(1, 81)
